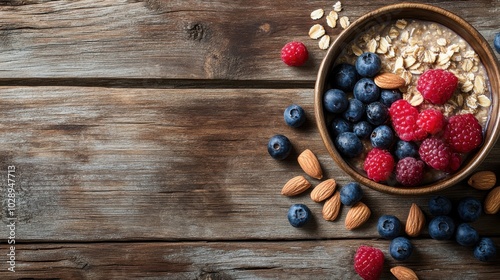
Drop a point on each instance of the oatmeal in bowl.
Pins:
(406, 99)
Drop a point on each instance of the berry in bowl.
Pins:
(406, 99)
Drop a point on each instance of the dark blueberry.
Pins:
(377, 113)
(344, 76)
(400, 248)
(485, 250)
(279, 147)
(348, 144)
(466, 235)
(294, 115)
(362, 129)
(387, 96)
(441, 228)
(340, 125)
(355, 110)
(440, 205)
(368, 64)
(299, 215)
(405, 149)
(382, 137)
(366, 91)
(496, 42)
(335, 101)
(351, 193)
(469, 209)
(389, 226)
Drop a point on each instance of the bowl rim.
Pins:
(458, 25)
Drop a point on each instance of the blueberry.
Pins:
(377, 113)
(469, 209)
(348, 144)
(440, 205)
(279, 147)
(294, 115)
(405, 149)
(496, 42)
(387, 96)
(335, 101)
(368, 64)
(366, 90)
(355, 110)
(362, 129)
(441, 228)
(382, 137)
(485, 250)
(466, 235)
(400, 248)
(340, 125)
(299, 215)
(344, 76)
(389, 226)
(351, 193)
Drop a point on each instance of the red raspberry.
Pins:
(431, 120)
(437, 85)
(379, 164)
(369, 262)
(294, 54)
(410, 171)
(455, 162)
(463, 133)
(404, 120)
(436, 153)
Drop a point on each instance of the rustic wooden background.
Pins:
(138, 130)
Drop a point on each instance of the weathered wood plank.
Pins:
(166, 39)
(95, 164)
(321, 259)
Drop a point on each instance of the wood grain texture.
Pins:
(166, 39)
(96, 164)
(321, 259)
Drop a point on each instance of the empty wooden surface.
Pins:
(138, 130)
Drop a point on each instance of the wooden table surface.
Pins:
(137, 132)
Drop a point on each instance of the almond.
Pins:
(483, 180)
(295, 186)
(331, 208)
(403, 273)
(324, 190)
(415, 222)
(357, 216)
(310, 164)
(492, 201)
(389, 81)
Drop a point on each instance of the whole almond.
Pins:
(324, 190)
(295, 186)
(389, 81)
(415, 222)
(331, 208)
(310, 164)
(483, 180)
(403, 273)
(492, 201)
(357, 215)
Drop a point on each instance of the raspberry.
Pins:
(463, 133)
(294, 54)
(435, 153)
(379, 164)
(410, 171)
(404, 121)
(455, 162)
(369, 262)
(437, 85)
(431, 120)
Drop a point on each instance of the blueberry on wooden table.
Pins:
(466, 235)
(279, 147)
(400, 248)
(298, 215)
(441, 228)
(294, 115)
(388, 226)
(440, 205)
(485, 250)
(351, 193)
(469, 209)
(496, 42)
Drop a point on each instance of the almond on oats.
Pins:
(389, 81)
(316, 31)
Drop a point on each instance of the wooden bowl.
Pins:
(418, 12)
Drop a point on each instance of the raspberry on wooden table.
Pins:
(369, 262)
(463, 133)
(294, 54)
(437, 85)
(379, 164)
